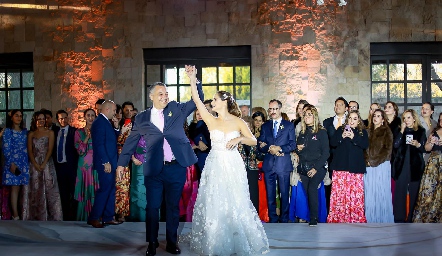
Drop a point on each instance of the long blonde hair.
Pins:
(316, 124)
(414, 114)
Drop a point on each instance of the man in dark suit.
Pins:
(66, 161)
(277, 140)
(168, 153)
(331, 124)
(104, 144)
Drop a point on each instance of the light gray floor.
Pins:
(77, 238)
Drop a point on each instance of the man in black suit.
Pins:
(66, 161)
(331, 124)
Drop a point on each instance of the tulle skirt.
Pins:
(378, 203)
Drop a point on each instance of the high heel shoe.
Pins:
(16, 218)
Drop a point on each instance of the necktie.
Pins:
(60, 147)
(166, 147)
(275, 129)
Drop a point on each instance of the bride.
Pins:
(224, 219)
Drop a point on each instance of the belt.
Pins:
(170, 163)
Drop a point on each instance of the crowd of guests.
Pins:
(383, 169)
(48, 171)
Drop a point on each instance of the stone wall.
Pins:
(85, 50)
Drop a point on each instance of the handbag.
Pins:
(304, 168)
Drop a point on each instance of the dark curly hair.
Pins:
(232, 107)
(34, 120)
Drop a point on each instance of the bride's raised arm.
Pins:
(205, 115)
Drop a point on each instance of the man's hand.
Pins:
(120, 170)
(107, 167)
(202, 146)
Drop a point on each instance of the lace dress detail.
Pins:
(225, 221)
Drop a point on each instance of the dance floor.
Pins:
(77, 238)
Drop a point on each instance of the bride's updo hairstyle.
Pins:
(232, 107)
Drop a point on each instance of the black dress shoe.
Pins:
(313, 223)
(152, 249)
(112, 222)
(174, 249)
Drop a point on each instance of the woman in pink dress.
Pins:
(348, 165)
(41, 198)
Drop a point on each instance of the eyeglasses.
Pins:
(273, 109)
(307, 114)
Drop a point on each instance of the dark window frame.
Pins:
(408, 52)
(217, 56)
(16, 62)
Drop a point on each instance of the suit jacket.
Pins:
(104, 143)
(199, 132)
(175, 114)
(70, 150)
(417, 163)
(349, 153)
(329, 126)
(285, 139)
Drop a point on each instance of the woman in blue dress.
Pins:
(16, 169)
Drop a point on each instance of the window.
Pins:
(408, 74)
(16, 85)
(219, 68)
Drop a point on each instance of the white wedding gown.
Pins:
(224, 220)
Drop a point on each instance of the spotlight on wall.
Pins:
(341, 2)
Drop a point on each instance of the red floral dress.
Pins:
(347, 198)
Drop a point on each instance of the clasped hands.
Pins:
(191, 71)
(275, 150)
(348, 134)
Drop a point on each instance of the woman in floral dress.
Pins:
(87, 177)
(16, 168)
(122, 193)
(41, 198)
(429, 202)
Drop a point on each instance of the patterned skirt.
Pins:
(429, 202)
(347, 198)
(122, 205)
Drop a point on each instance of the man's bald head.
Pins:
(109, 109)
